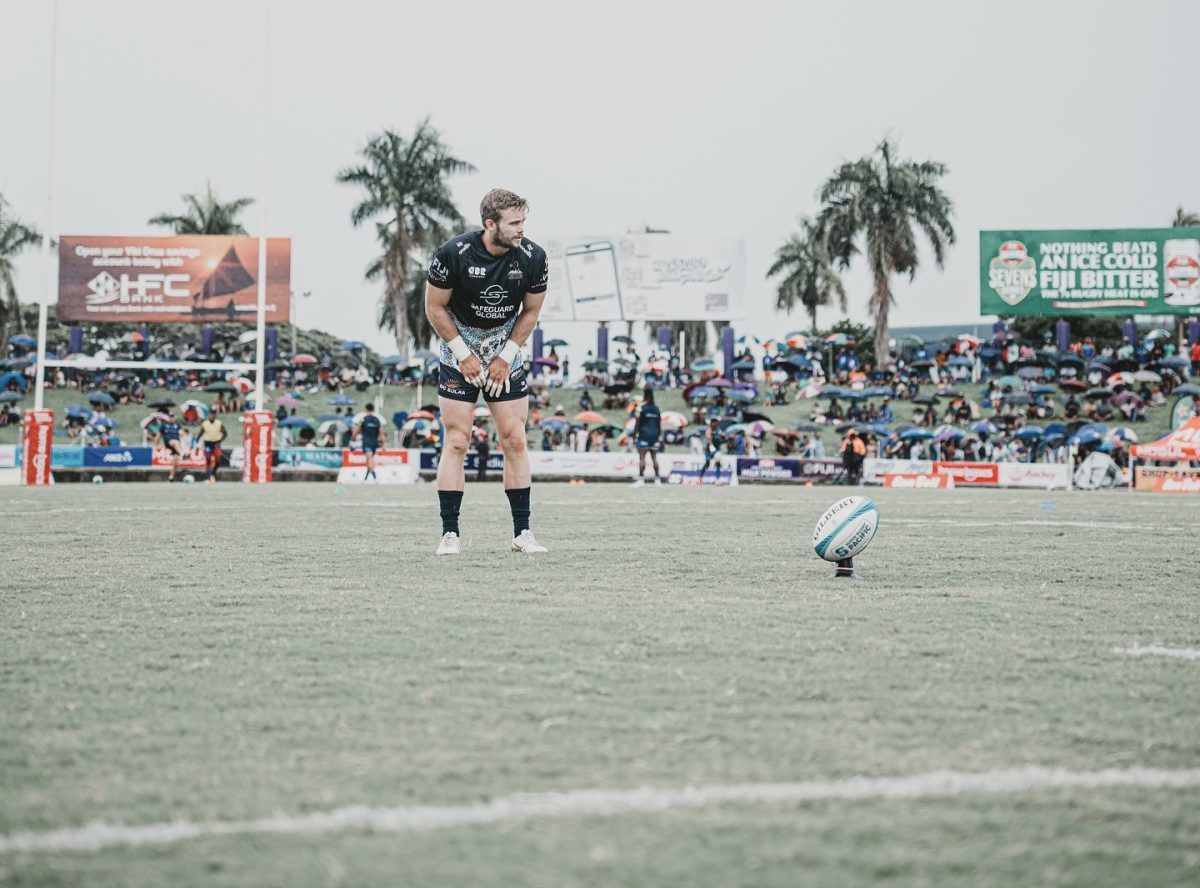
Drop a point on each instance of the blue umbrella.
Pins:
(295, 422)
(342, 401)
(878, 391)
(983, 427)
(741, 396)
(1028, 433)
(705, 391)
(101, 398)
(327, 417)
(22, 340)
(742, 365)
(916, 435)
(554, 423)
(352, 344)
(948, 433)
(10, 397)
(1085, 436)
(7, 378)
(555, 343)
(1044, 390)
(104, 423)
(79, 410)
(800, 362)
(1055, 428)
(704, 364)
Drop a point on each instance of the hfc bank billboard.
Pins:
(1107, 272)
(189, 278)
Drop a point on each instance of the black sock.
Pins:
(518, 501)
(451, 501)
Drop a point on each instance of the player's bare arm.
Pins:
(498, 370)
(437, 302)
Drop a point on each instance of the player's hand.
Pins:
(472, 370)
(497, 382)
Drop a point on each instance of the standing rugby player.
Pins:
(647, 428)
(484, 293)
(369, 428)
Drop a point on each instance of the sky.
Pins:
(698, 117)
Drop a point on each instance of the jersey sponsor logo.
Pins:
(515, 274)
(462, 247)
(438, 271)
(476, 271)
(527, 250)
(493, 294)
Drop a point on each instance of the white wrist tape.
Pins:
(509, 351)
(459, 349)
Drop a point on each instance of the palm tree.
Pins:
(205, 215)
(1183, 219)
(809, 275)
(884, 200)
(14, 238)
(407, 197)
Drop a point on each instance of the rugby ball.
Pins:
(846, 528)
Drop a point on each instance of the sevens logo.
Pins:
(493, 294)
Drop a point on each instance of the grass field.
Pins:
(190, 660)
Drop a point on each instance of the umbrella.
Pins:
(877, 391)
(10, 397)
(553, 423)
(352, 344)
(627, 340)
(18, 363)
(303, 359)
(719, 382)
(970, 340)
(152, 418)
(839, 339)
(1099, 392)
(920, 365)
(295, 422)
(1175, 361)
(221, 387)
(555, 343)
(925, 399)
(101, 398)
(1158, 333)
(1085, 436)
(1074, 385)
(704, 364)
(481, 411)
(595, 365)
(1028, 433)
(1188, 389)
(984, 427)
(1123, 398)
(546, 362)
(287, 401)
(421, 414)
(623, 362)
(785, 433)
(959, 361)
(1029, 372)
(796, 340)
(1124, 377)
(22, 341)
(742, 397)
(704, 391)
(326, 417)
(948, 433)
(1043, 390)
(193, 411)
(916, 435)
(393, 360)
(103, 422)
(330, 425)
(1010, 381)
(1146, 376)
(342, 401)
(79, 410)
(673, 420)
(1126, 434)
(608, 430)
(809, 427)
(742, 365)
(1019, 398)
(278, 364)
(950, 393)
(589, 416)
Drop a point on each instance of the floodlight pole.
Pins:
(39, 376)
(260, 349)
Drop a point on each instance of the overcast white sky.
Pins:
(700, 117)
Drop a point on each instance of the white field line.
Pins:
(1158, 650)
(97, 836)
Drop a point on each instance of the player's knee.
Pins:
(513, 442)
(456, 441)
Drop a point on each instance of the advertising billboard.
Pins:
(1090, 272)
(645, 277)
(189, 278)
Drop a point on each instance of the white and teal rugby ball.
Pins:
(846, 528)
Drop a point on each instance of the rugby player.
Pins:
(212, 433)
(483, 295)
(647, 428)
(168, 436)
(369, 427)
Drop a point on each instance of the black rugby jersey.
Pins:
(487, 289)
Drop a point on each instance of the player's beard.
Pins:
(507, 241)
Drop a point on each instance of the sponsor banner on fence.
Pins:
(875, 469)
(765, 468)
(1148, 477)
(970, 472)
(918, 481)
(431, 458)
(1090, 272)
(117, 457)
(189, 278)
(391, 467)
(303, 458)
(8, 456)
(1177, 485)
(1042, 475)
(62, 456)
(645, 277)
(162, 458)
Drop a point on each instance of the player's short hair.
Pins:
(497, 201)
(370, 407)
(648, 396)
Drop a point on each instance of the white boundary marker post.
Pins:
(39, 386)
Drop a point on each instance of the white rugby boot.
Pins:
(524, 542)
(449, 544)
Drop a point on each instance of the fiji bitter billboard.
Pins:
(1154, 271)
(188, 278)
